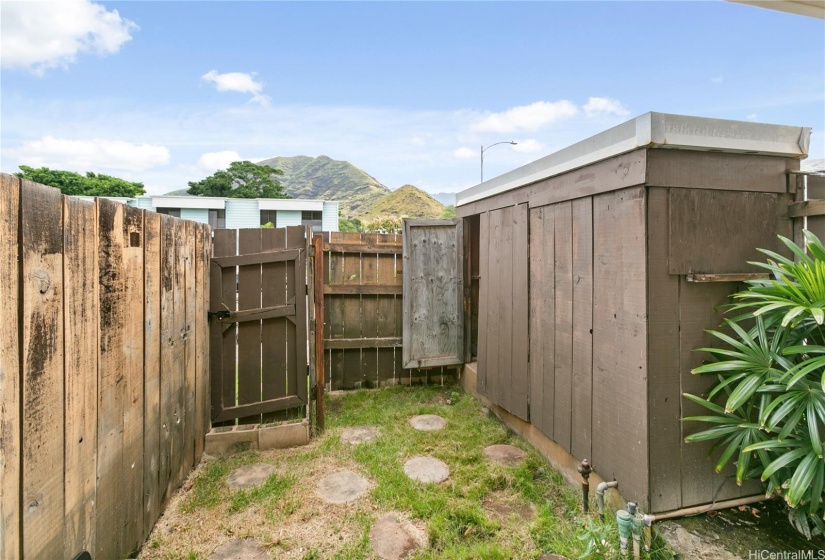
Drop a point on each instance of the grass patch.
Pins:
(482, 511)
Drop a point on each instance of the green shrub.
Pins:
(768, 405)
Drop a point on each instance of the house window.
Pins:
(269, 216)
(217, 219)
(174, 212)
(310, 218)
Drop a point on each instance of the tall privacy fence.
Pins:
(104, 383)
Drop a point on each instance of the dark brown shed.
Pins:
(598, 269)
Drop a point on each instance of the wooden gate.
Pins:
(433, 293)
(258, 324)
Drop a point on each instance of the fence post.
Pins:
(320, 380)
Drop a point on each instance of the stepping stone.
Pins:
(359, 434)
(502, 506)
(341, 487)
(240, 549)
(428, 423)
(427, 469)
(250, 476)
(392, 537)
(504, 454)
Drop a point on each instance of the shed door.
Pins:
(433, 293)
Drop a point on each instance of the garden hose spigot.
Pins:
(585, 469)
(624, 520)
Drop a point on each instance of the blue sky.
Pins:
(168, 92)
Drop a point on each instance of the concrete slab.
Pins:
(427, 469)
(504, 454)
(359, 434)
(240, 549)
(250, 476)
(393, 537)
(428, 422)
(342, 487)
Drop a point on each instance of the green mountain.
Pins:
(328, 179)
(406, 202)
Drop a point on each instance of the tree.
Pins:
(242, 179)
(91, 184)
(448, 212)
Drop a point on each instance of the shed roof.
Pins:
(652, 130)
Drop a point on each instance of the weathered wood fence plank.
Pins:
(85, 423)
(10, 413)
(41, 216)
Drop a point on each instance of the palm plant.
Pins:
(767, 407)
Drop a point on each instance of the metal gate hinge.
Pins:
(222, 314)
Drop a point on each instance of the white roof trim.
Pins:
(296, 204)
(203, 202)
(652, 130)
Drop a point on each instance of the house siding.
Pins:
(329, 218)
(289, 218)
(195, 214)
(242, 213)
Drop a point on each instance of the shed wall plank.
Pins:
(582, 328)
(521, 314)
(664, 395)
(483, 301)
(41, 217)
(563, 394)
(537, 312)
(620, 340)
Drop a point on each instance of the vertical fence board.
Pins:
(351, 270)
(190, 244)
(132, 368)
(167, 353)
(274, 331)
(385, 320)
(582, 326)
(296, 287)
(562, 411)
(151, 364)
(225, 280)
(111, 382)
(249, 332)
(204, 244)
(41, 215)
(80, 308)
(177, 378)
(10, 418)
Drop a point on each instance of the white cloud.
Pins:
(214, 161)
(465, 153)
(43, 35)
(752, 117)
(603, 106)
(528, 146)
(717, 79)
(91, 155)
(531, 117)
(240, 82)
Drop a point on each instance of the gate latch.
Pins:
(222, 314)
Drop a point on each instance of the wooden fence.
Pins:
(362, 283)
(104, 392)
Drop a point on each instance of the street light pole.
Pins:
(483, 149)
